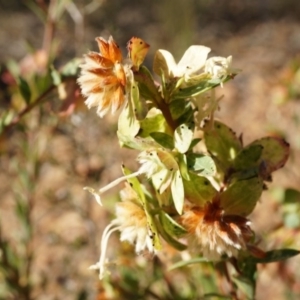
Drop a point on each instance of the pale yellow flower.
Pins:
(103, 77)
(214, 234)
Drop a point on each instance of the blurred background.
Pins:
(51, 228)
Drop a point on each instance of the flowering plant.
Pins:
(197, 182)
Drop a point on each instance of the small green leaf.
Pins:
(183, 137)
(195, 90)
(71, 69)
(146, 84)
(215, 296)
(161, 180)
(222, 142)
(241, 196)
(194, 143)
(246, 286)
(56, 78)
(291, 196)
(137, 142)
(171, 226)
(182, 162)
(128, 126)
(198, 189)
(163, 139)
(24, 90)
(178, 107)
(276, 255)
(154, 122)
(185, 263)
(248, 157)
(201, 164)
(275, 153)
(292, 219)
(178, 191)
(170, 240)
(6, 117)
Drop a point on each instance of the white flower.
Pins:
(131, 221)
(191, 62)
(218, 67)
(162, 168)
(158, 165)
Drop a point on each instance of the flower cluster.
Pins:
(180, 194)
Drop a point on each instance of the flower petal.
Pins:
(114, 50)
(193, 60)
(94, 193)
(164, 62)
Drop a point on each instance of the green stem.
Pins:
(149, 90)
(167, 114)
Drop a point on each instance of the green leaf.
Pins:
(170, 240)
(194, 143)
(146, 84)
(56, 78)
(291, 207)
(222, 142)
(248, 157)
(154, 122)
(71, 69)
(177, 189)
(198, 189)
(291, 196)
(163, 139)
(198, 89)
(42, 82)
(182, 162)
(179, 107)
(24, 89)
(185, 263)
(183, 137)
(128, 126)
(161, 180)
(292, 219)
(201, 164)
(168, 228)
(275, 153)
(246, 286)
(6, 117)
(215, 296)
(134, 182)
(137, 142)
(171, 226)
(276, 255)
(241, 196)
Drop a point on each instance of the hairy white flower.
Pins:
(131, 221)
(218, 66)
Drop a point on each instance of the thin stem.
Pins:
(119, 180)
(167, 114)
(27, 109)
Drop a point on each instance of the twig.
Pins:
(27, 109)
